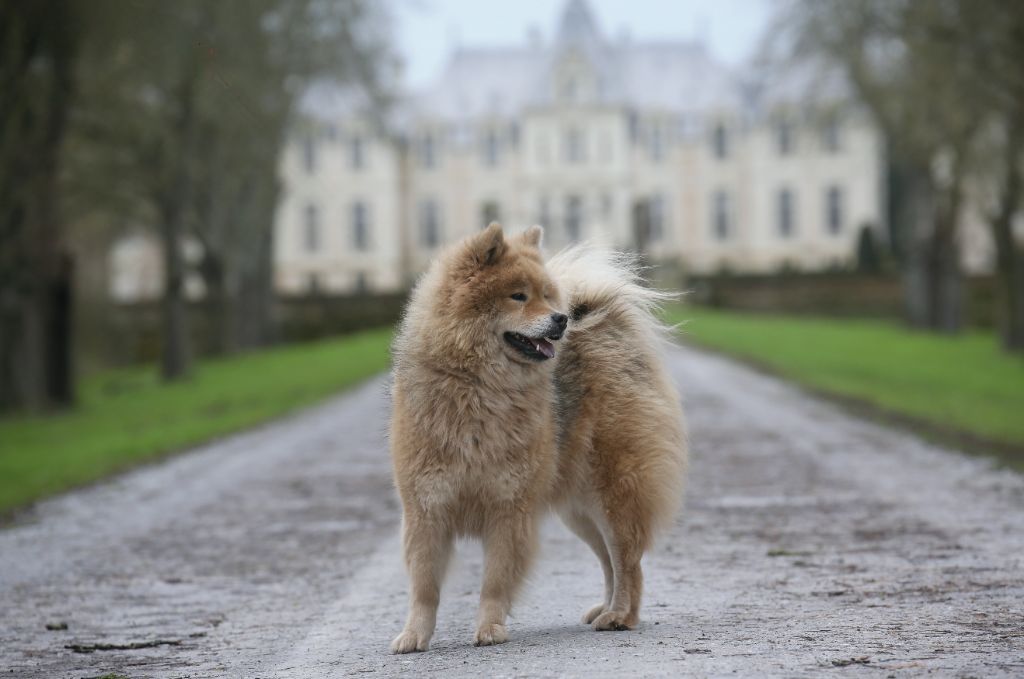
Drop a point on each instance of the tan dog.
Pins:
(488, 432)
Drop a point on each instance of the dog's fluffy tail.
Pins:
(599, 283)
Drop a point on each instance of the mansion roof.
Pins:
(582, 66)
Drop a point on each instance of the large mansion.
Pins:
(648, 146)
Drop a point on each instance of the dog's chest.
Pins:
(484, 447)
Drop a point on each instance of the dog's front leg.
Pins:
(427, 545)
(510, 541)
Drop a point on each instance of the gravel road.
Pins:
(813, 543)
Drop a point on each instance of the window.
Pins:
(657, 142)
(491, 148)
(543, 149)
(834, 209)
(430, 227)
(575, 146)
(427, 151)
(785, 137)
(544, 211)
(830, 135)
(313, 284)
(311, 231)
(573, 218)
(634, 127)
(309, 153)
(657, 218)
(360, 226)
(490, 213)
(720, 142)
(570, 88)
(720, 215)
(356, 153)
(604, 147)
(787, 216)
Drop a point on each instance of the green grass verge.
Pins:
(962, 384)
(128, 416)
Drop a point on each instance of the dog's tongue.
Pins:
(543, 346)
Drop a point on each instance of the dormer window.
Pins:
(720, 141)
(491, 148)
(785, 136)
(830, 134)
(575, 146)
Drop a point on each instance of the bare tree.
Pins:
(38, 43)
(916, 81)
(191, 102)
(265, 55)
(994, 32)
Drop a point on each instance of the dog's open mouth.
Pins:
(537, 348)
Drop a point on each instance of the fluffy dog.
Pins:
(519, 387)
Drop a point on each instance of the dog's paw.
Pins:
(489, 634)
(613, 620)
(410, 641)
(592, 614)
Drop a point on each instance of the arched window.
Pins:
(575, 146)
(490, 212)
(491, 148)
(785, 136)
(834, 209)
(360, 226)
(309, 153)
(430, 224)
(657, 218)
(311, 228)
(573, 218)
(787, 213)
(720, 215)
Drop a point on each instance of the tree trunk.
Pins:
(256, 292)
(945, 280)
(220, 321)
(916, 209)
(176, 202)
(60, 345)
(933, 282)
(35, 366)
(176, 354)
(1010, 254)
(1013, 328)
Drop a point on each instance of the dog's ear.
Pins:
(533, 235)
(488, 246)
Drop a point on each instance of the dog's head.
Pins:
(501, 290)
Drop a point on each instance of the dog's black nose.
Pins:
(561, 320)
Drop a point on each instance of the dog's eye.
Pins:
(519, 296)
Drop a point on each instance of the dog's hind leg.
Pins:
(510, 541)
(428, 546)
(588, 531)
(626, 544)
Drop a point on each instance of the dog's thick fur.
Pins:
(486, 436)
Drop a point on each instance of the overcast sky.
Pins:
(427, 30)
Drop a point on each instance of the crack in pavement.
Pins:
(811, 542)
